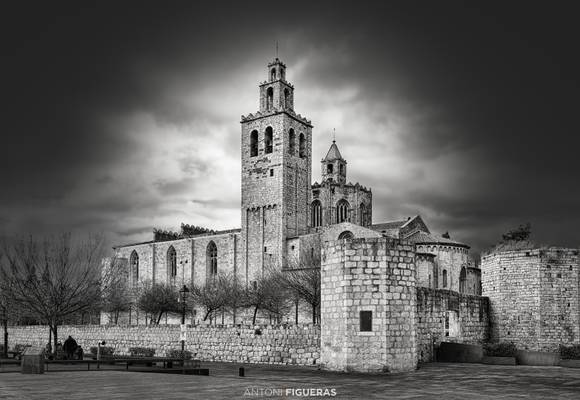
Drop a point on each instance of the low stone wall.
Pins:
(448, 316)
(298, 345)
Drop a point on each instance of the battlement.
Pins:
(269, 113)
(349, 185)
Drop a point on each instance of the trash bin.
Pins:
(33, 361)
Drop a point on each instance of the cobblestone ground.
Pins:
(432, 381)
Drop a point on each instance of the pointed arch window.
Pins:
(172, 262)
(291, 142)
(268, 139)
(302, 146)
(316, 213)
(134, 262)
(270, 98)
(342, 208)
(254, 144)
(211, 259)
(273, 74)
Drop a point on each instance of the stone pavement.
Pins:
(432, 381)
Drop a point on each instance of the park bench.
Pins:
(167, 362)
(17, 351)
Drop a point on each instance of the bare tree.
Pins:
(53, 278)
(216, 294)
(4, 312)
(267, 293)
(234, 295)
(116, 296)
(158, 299)
(303, 280)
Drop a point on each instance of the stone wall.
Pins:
(293, 344)
(534, 296)
(449, 258)
(330, 193)
(368, 275)
(437, 312)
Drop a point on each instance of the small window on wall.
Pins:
(329, 169)
(444, 278)
(345, 235)
(269, 98)
(291, 142)
(268, 139)
(366, 321)
(301, 146)
(254, 144)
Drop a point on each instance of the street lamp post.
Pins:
(183, 291)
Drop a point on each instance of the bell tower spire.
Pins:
(333, 165)
(276, 94)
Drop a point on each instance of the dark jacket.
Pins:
(70, 345)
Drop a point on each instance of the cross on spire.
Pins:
(333, 135)
(276, 49)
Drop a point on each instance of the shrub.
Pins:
(570, 352)
(19, 348)
(141, 351)
(502, 349)
(105, 351)
(174, 353)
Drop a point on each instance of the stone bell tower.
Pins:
(276, 174)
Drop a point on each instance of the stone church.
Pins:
(285, 218)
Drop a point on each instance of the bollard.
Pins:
(242, 372)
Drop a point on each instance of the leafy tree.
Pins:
(519, 234)
(53, 278)
(158, 299)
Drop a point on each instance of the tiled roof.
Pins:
(423, 237)
(388, 225)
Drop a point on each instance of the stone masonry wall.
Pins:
(534, 296)
(376, 275)
(472, 322)
(293, 344)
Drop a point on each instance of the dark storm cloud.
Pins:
(120, 114)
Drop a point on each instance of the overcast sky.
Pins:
(125, 116)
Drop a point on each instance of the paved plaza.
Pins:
(432, 381)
